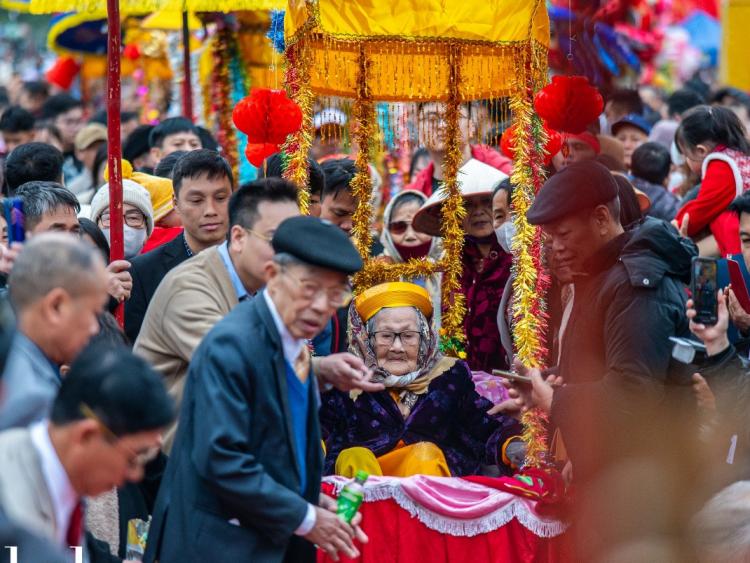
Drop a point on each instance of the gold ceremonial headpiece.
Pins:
(394, 294)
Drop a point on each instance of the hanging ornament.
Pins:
(569, 104)
(551, 147)
(63, 72)
(267, 117)
(131, 52)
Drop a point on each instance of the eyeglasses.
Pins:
(387, 337)
(135, 459)
(261, 236)
(337, 297)
(399, 227)
(133, 218)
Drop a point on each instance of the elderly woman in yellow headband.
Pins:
(429, 420)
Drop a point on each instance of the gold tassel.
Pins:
(364, 115)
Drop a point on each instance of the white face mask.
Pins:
(505, 234)
(134, 240)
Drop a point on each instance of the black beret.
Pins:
(318, 243)
(580, 186)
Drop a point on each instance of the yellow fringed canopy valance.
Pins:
(407, 41)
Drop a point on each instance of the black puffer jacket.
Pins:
(616, 353)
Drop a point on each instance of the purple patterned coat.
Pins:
(450, 414)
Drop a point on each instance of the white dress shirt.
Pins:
(291, 348)
(64, 498)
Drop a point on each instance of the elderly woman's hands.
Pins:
(345, 372)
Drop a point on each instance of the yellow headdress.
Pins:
(160, 189)
(394, 294)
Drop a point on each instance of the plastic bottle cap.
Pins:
(361, 475)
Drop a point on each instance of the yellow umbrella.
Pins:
(15, 5)
(169, 20)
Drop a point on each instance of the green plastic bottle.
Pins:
(351, 497)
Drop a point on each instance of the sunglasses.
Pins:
(399, 227)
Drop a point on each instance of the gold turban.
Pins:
(394, 294)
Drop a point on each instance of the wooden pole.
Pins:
(114, 150)
(187, 83)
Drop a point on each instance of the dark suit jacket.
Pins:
(234, 457)
(148, 270)
(30, 547)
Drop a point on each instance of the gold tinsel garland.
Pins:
(297, 146)
(225, 47)
(528, 304)
(364, 116)
(453, 210)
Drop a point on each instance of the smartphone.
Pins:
(704, 285)
(14, 218)
(512, 376)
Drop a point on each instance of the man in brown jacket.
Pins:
(196, 295)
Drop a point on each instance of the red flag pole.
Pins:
(114, 150)
(187, 83)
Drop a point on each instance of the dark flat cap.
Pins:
(318, 243)
(580, 186)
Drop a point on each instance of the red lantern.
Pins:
(569, 104)
(62, 73)
(551, 147)
(131, 52)
(267, 116)
(256, 153)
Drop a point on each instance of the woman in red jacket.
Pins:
(714, 144)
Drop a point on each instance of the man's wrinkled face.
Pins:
(578, 151)
(306, 297)
(339, 208)
(570, 242)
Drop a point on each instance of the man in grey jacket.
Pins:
(58, 286)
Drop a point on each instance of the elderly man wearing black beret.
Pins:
(628, 300)
(243, 480)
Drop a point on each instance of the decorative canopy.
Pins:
(408, 41)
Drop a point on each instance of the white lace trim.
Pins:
(455, 526)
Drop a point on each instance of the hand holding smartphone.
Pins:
(516, 377)
(704, 287)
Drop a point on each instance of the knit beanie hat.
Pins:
(132, 193)
(160, 189)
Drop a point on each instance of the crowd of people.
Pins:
(247, 369)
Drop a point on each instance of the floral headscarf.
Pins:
(360, 344)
